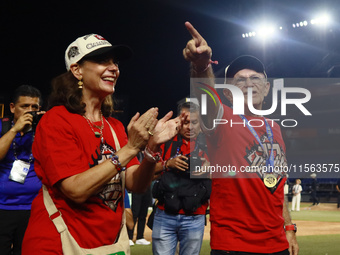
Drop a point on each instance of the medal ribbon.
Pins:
(270, 158)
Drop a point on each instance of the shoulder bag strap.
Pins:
(52, 209)
(122, 174)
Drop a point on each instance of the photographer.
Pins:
(18, 181)
(182, 199)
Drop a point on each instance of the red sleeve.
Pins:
(57, 148)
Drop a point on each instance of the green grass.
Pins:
(205, 250)
(309, 245)
(141, 249)
(309, 215)
(319, 245)
(147, 249)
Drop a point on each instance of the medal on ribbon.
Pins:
(269, 178)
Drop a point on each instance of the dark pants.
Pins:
(218, 252)
(339, 200)
(13, 225)
(139, 208)
(314, 198)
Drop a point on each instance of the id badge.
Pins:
(19, 171)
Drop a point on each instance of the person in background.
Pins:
(140, 206)
(296, 200)
(182, 199)
(85, 159)
(128, 213)
(286, 189)
(338, 189)
(19, 183)
(314, 188)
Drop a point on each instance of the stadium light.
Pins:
(269, 30)
(249, 34)
(300, 24)
(266, 31)
(323, 19)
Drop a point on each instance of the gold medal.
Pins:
(270, 180)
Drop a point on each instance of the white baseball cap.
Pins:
(94, 45)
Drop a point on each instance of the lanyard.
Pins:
(270, 158)
(30, 159)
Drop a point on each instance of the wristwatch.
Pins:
(291, 227)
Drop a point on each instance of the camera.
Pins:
(193, 160)
(36, 118)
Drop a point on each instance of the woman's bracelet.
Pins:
(115, 161)
(151, 156)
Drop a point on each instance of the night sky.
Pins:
(36, 34)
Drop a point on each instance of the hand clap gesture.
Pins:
(140, 128)
(166, 128)
(146, 128)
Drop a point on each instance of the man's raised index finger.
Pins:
(194, 33)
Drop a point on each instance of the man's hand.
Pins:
(293, 244)
(197, 50)
(23, 123)
(178, 163)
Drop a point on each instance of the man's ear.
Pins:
(12, 107)
(267, 88)
(227, 93)
(76, 71)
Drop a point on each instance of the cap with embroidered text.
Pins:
(94, 45)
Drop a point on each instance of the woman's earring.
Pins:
(80, 84)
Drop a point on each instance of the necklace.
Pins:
(101, 127)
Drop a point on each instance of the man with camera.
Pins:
(18, 182)
(182, 198)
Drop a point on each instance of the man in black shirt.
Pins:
(338, 189)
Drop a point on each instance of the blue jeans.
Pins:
(169, 229)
